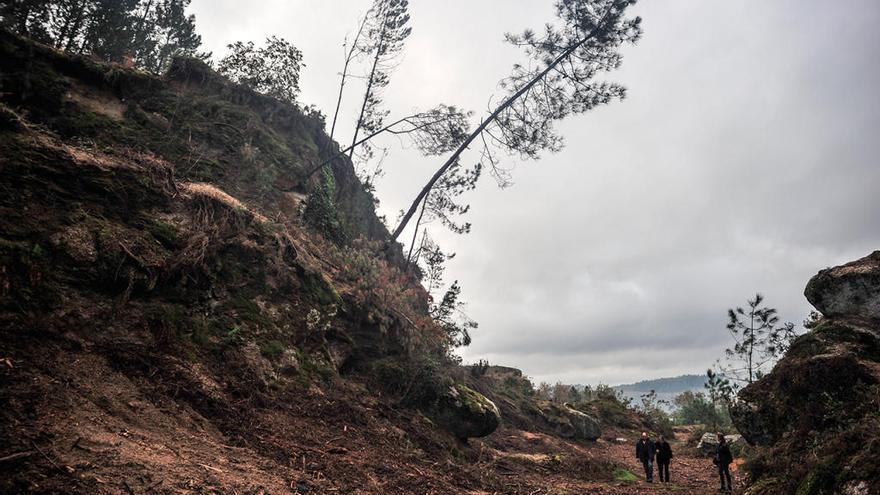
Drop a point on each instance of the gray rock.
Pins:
(466, 413)
(756, 420)
(259, 366)
(502, 372)
(850, 290)
(824, 377)
(709, 443)
(570, 423)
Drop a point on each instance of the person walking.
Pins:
(664, 455)
(645, 452)
(723, 459)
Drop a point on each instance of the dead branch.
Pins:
(47, 457)
(16, 456)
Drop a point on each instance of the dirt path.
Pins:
(541, 464)
(689, 472)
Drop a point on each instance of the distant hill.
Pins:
(676, 384)
(666, 388)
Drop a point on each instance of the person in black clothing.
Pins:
(645, 452)
(664, 455)
(723, 458)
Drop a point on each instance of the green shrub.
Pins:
(696, 409)
(624, 475)
(321, 212)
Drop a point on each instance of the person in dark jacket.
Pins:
(723, 458)
(664, 455)
(645, 452)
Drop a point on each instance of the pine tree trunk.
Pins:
(339, 98)
(751, 343)
(370, 82)
(416, 232)
(348, 59)
(140, 37)
(62, 34)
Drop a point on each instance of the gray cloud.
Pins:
(744, 159)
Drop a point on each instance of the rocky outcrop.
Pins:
(823, 396)
(466, 413)
(503, 372)
(521, 408)
(570, 423)
(850, 290)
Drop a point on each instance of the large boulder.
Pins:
(709, 443)
(570, 423)
(850, 290)
(466, 413)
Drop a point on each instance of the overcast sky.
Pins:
(744, 159)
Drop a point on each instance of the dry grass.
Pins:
(205, 190)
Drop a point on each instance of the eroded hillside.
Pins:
(185, 309)
(168, 320)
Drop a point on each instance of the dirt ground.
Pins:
(80, 421)
(690, 473)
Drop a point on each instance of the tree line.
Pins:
(145, 33)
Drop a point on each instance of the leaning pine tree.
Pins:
(558, 81)
(383, 39)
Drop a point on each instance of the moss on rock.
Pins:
(466, 413)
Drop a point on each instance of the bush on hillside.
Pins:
(320, 211)
(608, 406)
(694, 408)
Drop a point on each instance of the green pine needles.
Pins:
(321, 212)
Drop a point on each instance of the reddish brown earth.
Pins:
(78, 422)
(690, 473)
